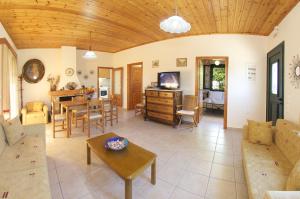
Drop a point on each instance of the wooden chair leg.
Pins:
(83, 124)
(89, 128)
(180, 120)
(111, 118)
(76, 121)
(63, 124)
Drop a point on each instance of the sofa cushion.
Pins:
(2, 139)
(34, 106)
(27, 184)
(266, 168)
(13, 130)
(288, 140)
(293, 182)
(260, 132)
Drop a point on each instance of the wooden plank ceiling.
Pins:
(122, 24)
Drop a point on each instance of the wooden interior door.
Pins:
(118, 85)
(135, 84)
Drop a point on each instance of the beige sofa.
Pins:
(35, 113)
(23, 166)
(267, 168)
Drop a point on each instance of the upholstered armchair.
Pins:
(35, 113)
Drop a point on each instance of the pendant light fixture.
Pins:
(175, 24)
(90, 54)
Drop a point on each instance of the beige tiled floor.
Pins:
(203, 162)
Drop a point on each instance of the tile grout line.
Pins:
(209, 175)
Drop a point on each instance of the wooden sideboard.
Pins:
(160, 105)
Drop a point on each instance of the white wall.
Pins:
(86, 66)
(55, 62)
(245, 99)
(289, 32)
(51, 59)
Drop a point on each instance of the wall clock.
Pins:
(295, 72)
(33, 71)
(69, 71)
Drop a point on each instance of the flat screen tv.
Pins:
(169, 80)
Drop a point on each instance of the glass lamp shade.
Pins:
(175, 24)
(90, 55)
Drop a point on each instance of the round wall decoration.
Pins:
(33, 71)
(69, 71)
(295, 72)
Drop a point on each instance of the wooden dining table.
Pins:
(72, 105)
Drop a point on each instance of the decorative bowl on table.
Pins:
(116, 143)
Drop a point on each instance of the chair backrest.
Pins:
(56, 108)
(190, 102)
(34, 106)
(95, 106)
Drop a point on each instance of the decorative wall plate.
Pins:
(69, 71)
(294, 73)
(92, 72)
(33, 71)
(79, 72)
(85, 76)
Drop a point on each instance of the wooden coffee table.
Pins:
(128, 163)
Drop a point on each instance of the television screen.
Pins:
(169, 80)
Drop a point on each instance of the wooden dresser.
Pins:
(161, 105)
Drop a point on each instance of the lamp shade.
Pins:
(175, 24)
(90, 55)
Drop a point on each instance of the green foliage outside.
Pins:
(219, 76)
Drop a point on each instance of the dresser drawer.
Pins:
(166, 94)
(152, 93)
(165, 101)
(160, 116)
(160, 108)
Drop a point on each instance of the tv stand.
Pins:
(161, 105)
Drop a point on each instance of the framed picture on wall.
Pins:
(181, 62)
(155, 63)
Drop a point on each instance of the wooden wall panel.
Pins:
(118, 25)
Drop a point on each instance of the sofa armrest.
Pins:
(282, 195)
(245, 132)
(45, 109)
(24, 111)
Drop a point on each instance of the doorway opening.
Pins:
(134, 84)
(110, 82)
(275, 84)
(211, 87)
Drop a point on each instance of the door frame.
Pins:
(113, 82)
(129, 83)
(197, 79)
(279, 47)
(102, 67)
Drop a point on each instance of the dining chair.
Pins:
(95, 113)
(188, 108)
(114, 109)
(140, 107)
(58, 118)
(78, 112)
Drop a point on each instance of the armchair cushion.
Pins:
(34, 106)
(260, 132)
(185, 112)
(293, 182)
(13, 130)
(34, 113)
